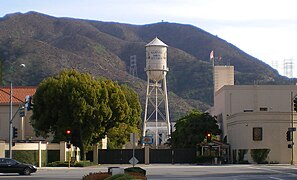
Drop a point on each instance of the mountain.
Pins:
(48, 44)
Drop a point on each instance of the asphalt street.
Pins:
(174, 172)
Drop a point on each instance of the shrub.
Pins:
(96, 176)
(29, 156)
(53, 155)
(204, 159)
(135, 169)
(120, 177)
(84, 164)
(65, 164)
(58, 164)
(260, 155)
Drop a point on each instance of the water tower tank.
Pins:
(156, 59)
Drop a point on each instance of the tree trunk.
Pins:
(82, 153)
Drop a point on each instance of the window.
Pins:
(257, 134)
(248, 110)
(263, 109)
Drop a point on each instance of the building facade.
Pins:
(25, 130)
(257, 117)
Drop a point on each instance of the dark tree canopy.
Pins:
(192, 129)
(88, 107)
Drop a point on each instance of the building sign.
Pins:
(147, 140)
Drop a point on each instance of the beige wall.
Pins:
(22, 124)
(274, 125)
(40, 146)
(223, 75)
(245, 97)
(230, 102)
(25, 130)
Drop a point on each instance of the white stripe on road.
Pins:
(276, 178)
(271, 170)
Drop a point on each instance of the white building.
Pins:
(256, 117)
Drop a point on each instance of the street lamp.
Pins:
(11, 117)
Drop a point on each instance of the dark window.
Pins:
(257, 134)
(263, 109)
(248, 110)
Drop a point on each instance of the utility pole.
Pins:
(10, 121)
(10, 116)
(292, 129)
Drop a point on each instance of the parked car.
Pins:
(8, 165)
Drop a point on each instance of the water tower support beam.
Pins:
(146, 104)
(166, 105)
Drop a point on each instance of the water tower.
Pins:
(156, 115)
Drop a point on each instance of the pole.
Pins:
(69, 154)
(156, 106)
(292, 125)
(133, 153)
(11, 118)
(10, 121)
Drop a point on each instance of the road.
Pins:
(240, 172)
(174, 172)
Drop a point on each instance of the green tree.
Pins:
(119, 135)
(192, 129)
(88, 107)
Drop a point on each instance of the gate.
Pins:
(119, 156)
(161, 155)
(184, 155)
(172, 155)
(168, 156)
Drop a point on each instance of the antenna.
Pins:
(133, 66)
(288, 68)
(274, 64)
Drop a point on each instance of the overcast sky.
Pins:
(265, 29)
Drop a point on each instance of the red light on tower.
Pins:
(68, 132)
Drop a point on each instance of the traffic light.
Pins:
(14, 132)
(289, 135)
(68, 132)
(22, 111)
(68, 145)
(295, 104)
(208, 137)
(28, 103)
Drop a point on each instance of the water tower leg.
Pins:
(146, 105)
(166, 105)
(156, 113)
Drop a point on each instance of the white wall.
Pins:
(231, 101)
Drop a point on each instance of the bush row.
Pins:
(65, 164)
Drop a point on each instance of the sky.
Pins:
(265, 29)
